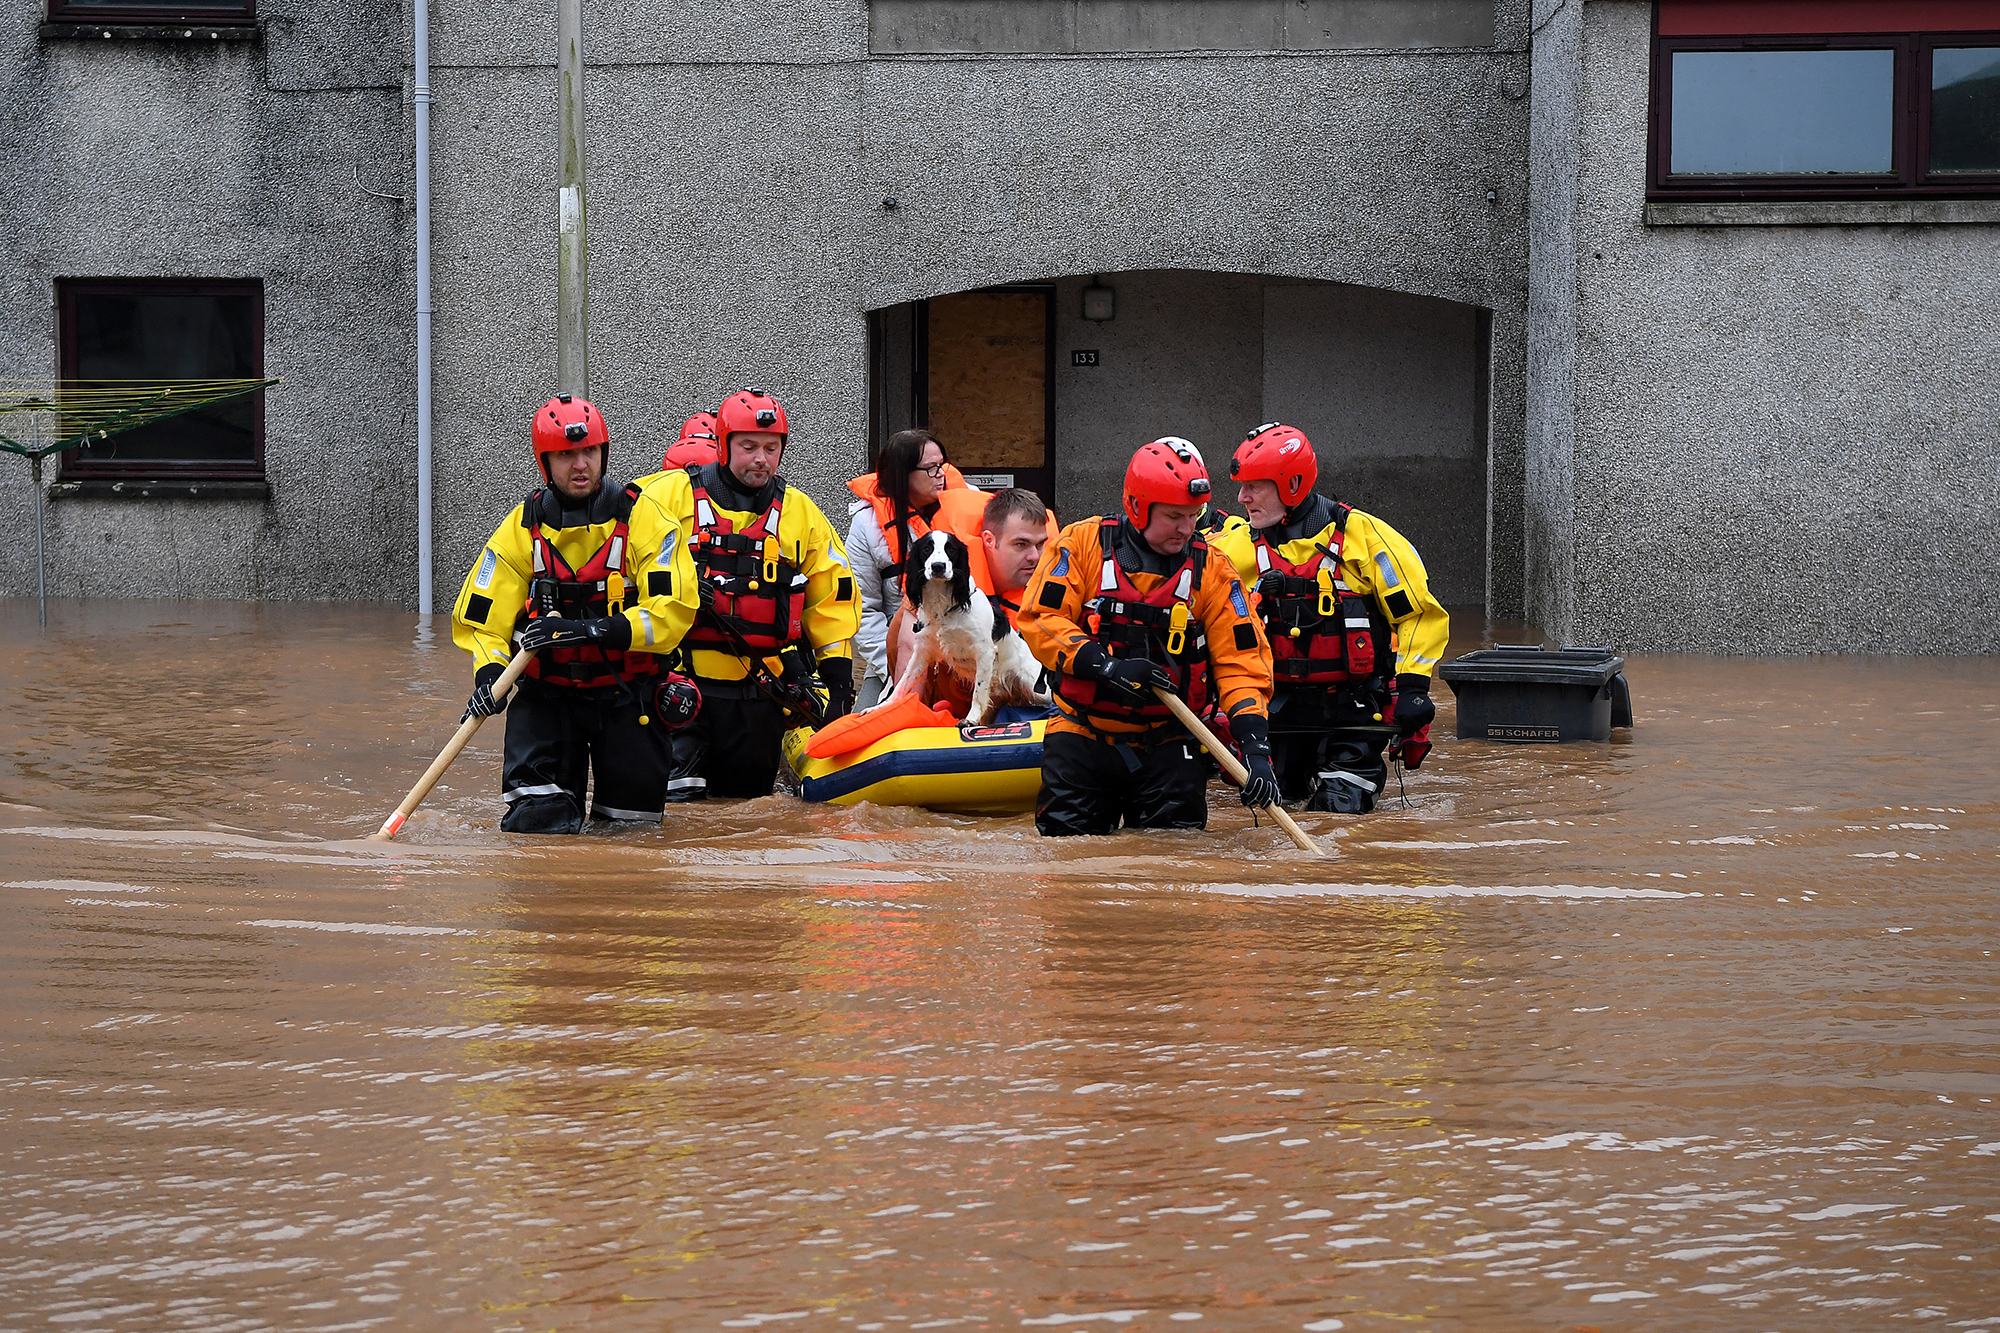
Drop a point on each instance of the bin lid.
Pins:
(1590, 667)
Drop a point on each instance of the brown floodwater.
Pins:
(1697, 1030)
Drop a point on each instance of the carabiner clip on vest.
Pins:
(1177, 630)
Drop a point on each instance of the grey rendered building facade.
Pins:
(1416, 228)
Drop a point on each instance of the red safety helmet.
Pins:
(747, 410)
(1280, 454)
(568, 422)
(696, 445)
(1168, 471)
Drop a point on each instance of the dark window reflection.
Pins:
(148, 336)
(1965, 110)
(1783, 113)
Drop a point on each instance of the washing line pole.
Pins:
(572, 256)
(41, 565)
(422, 99)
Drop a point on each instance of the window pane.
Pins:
(149, 336)
(1965, 110)
(1783, 113)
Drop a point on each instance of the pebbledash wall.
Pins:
(1719, 436)
(1752, 427)
(149, 154)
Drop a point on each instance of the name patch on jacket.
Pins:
(1062, 565)
(1236, 599)
(485, 576)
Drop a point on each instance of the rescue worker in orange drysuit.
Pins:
(1119, 606)
(1353, 627)
(594, 579)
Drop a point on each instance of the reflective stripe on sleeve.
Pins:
(1390, 579)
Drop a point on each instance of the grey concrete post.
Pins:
(572, 256)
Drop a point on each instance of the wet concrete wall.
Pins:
(740, 158)
(154, 156)
(1778, 421)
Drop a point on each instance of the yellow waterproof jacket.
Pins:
(806, 540)
(1375, 560)
(1054, 622)
(660, 594)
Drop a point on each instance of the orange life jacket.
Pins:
(959, 510)
(758, 592)
(1159, 625)
(1322, 632)
(592, 592)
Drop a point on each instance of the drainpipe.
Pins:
(423, 109)
(572, 256)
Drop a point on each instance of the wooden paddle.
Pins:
(1234, 767)
(394, 823)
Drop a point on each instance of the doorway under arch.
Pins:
(1024, 389)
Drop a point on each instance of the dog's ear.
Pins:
(961, 570)
(913, 568)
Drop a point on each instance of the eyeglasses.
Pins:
(936, 471)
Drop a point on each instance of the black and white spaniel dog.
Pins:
(958, 627)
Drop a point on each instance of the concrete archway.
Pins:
(1391, 387)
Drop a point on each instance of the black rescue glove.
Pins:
(1136, 676)
(482, 703)
(1253, 737)
(837, 674)
(1412, 710)
(612, 634)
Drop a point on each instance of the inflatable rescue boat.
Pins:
(983, 770)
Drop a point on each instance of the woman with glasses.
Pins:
(912, 491)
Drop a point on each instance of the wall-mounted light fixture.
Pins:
(1100, 303)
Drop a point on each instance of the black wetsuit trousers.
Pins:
(733, 746)
(1328, 768)
(557, 738)
(1089, 786)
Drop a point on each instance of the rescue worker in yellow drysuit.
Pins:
(1354, 630)
(594, 579)
(778, 607)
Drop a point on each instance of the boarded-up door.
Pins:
(988, 385)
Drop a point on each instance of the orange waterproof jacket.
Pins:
(1055, 621)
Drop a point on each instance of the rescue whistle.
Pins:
(614, 588)
(1177, 630)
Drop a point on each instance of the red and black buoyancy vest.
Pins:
(758, 592)
(1322, 632)
(1159, 625)
(592, 592)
